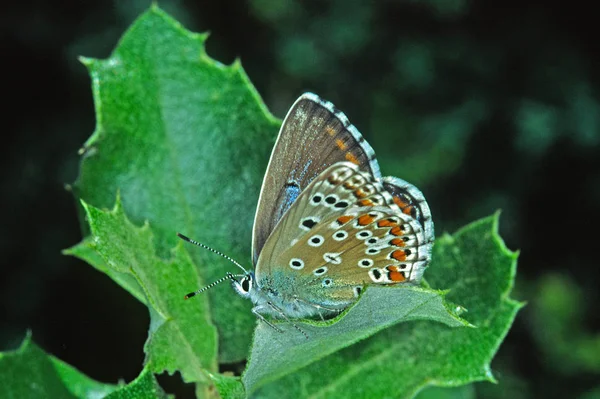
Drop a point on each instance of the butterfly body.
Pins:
(327, 223)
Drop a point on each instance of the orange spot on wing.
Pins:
(344, 219)
(397, 242)
(395, 274)
(330, 131)
(396, 230)
(407, 210)
(360, 193)
(386, 223)
(341, 145)
(399, 255)
(351, 158)
(365, 202)
(400, 203)
(365, 220)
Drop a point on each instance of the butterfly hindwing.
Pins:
(362, 246)
(344, 231)
(411, 201)
(314, 135)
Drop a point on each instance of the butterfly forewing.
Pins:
(313, 136)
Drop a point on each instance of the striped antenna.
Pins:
(229, 276)
(185, 238)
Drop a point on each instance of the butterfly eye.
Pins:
(246, 284)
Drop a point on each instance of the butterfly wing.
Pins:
(344, 231)
(412, 202)
(314, 135)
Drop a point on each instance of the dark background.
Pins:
(483, 105)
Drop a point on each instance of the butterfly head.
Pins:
(245, 285)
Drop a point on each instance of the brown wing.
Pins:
(345, 231)
(314, 135)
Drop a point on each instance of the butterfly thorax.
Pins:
(279, 293)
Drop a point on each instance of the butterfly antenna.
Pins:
(229, 276)
(184, 238)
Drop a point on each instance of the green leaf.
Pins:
(275, 354)
(228, 386)
(29, 372)
(462, 392)
(399, 361)
(181, 336)
(144, 386)
(182, 138)
(77, 383)
(85, 251)
(557, 319)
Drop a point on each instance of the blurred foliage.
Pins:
(493, 107)
(557, 321)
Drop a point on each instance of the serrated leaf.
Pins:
(398, 362)
(182, 138)
(228, 386)
(275, 354)
(181, 336)
(85, 251)
(144, 386)
(29, 372)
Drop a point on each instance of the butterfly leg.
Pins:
(319, 308)
(256, 310)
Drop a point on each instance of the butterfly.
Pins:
(327, 223)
